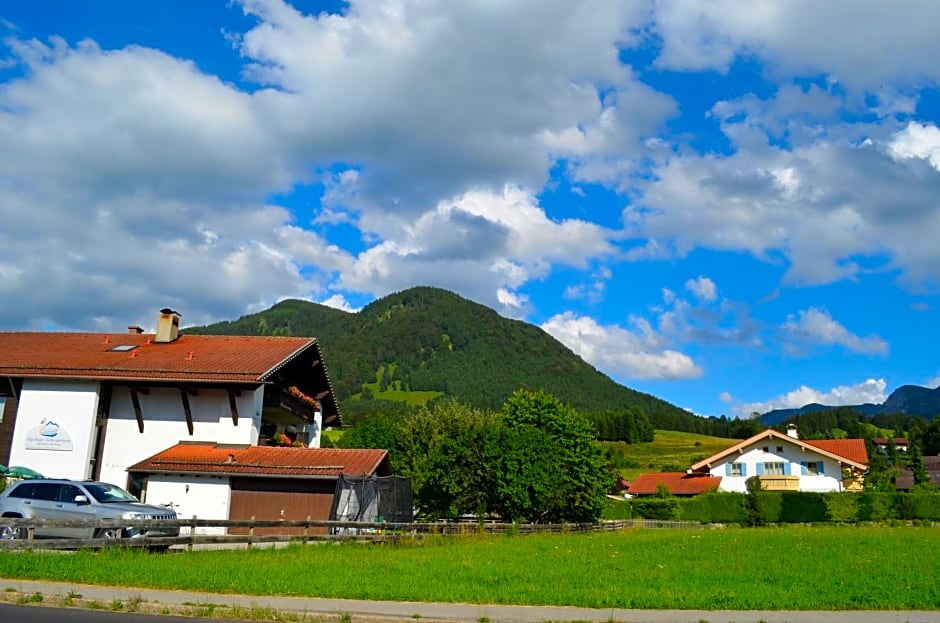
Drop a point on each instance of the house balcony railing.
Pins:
(779, 483)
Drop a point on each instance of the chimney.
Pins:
(791, 431)
(168, 326)
(133, 329)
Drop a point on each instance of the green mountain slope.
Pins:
(428, 339)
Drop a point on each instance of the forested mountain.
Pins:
(428, 339)
(907, 399)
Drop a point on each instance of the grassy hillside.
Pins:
(669, 451)
(424, 342)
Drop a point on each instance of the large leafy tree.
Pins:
(582, 481)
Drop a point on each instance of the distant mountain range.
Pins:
(907, 399)
(425, 342)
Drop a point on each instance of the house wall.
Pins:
(204, 497)
(165, 425)
(44, 404)
(791, 455)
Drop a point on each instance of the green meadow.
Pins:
(794, 567)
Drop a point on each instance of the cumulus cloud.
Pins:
(703, 288)
(821, 201)
(338, 301)
(868, 391)
(863, 44)
(813, 326)
(620, 352)
(483, 244)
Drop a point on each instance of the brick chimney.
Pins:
(168, 326)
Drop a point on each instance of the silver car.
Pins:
(78, 500)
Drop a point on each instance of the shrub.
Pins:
(617, 509)
(875, 506)
(766, 507)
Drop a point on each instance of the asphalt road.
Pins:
(373, 610)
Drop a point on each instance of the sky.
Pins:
(732, 206)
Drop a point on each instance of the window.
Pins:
(813, 468)
(779, 448)
(766, 449)
(737, 469)
(67, 493)
(773, 469)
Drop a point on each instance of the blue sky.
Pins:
(733, 207)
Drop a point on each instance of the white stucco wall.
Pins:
(165, 425)
(829, 480)
(204, 497)
(72, 406)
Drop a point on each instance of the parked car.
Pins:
(78, 500)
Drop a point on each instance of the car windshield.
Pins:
(106, 493)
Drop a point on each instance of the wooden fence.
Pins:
(336, 531)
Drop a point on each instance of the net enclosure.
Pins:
(372, 499)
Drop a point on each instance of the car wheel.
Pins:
(12, 532)
(110, 533)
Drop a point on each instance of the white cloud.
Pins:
(482, 244)
(338, 301)
(832, 195)
(815, 326)
(933, 383)
(703, 288)
(917, 140)
(868, 391)
(862, 43)
(620, 352)
(726, 397)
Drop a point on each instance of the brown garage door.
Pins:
(273, 498)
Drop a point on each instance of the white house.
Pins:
(89, 405)
(783, 462)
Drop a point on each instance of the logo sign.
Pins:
(48, 436)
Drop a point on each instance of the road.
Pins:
(361, 611)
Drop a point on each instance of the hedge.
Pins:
(792, 507)
(715, 508)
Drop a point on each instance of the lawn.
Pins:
(669, 451)
(796, 567)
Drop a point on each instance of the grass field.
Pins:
(798, 568)
(669, 451)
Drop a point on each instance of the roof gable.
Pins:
(851, 453)
(271, 461)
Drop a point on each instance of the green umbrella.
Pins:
(16, 471)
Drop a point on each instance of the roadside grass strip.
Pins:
(775, 568)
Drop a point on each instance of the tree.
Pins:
(582, 483)
(930, 439)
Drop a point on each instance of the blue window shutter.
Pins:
(744, 469)
(821, 471)
(727, 469)
(760, 469)
(786, 469)
(803, 468)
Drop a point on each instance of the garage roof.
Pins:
(271, 461)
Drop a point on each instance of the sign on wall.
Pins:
(48, 436)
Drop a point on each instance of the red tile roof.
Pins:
(201, 358)
(678, 483)
(851, 449)
(210, 458)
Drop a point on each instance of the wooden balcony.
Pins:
(779, 483)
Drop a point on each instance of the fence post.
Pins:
(192, 534)
(251, 533)
(306, 529)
